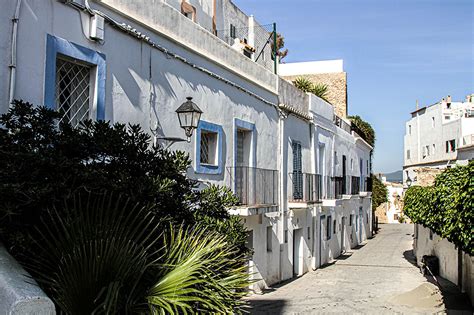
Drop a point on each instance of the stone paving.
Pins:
(360, 282)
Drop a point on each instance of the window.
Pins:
(350, 219)
(232, 31)
(286, 236)
(431, 235)
(447, 117)
(450, 145)
(75, 78)
(269, 238)
(297, 171)
(409, 129)
(432, 122)
(334, 227)
(408, 154)
(188, 11)
(209, 148)
(73, 91)
(328, 227)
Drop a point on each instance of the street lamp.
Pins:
(189, 115)
(408, 181)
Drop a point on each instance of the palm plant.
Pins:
(303, 84)
(200, 273)
(102, 254)
(306, 85)
(90, 255)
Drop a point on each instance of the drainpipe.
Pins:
(12, 66)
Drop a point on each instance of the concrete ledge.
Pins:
(19, 293)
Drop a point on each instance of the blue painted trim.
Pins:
(57, 46)
(204, 168)
(244, 125)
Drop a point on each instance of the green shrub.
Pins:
(87, 253)
(447, 207)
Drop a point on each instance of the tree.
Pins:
(280, 43)
(379, 193)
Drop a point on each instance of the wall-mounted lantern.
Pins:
(189, 115)
(409, 182)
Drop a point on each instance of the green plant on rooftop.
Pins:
(306, 85)
(363, 128)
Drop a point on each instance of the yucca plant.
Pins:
(303, 84)
(200, 273)
(306, 85)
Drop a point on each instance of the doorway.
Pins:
(298, 252)
(322, 232)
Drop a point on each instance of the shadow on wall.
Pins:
(266, 306)
(453, 298)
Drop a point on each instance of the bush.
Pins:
(447, 207)
(46, 170)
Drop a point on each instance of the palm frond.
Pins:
(91, 253)
(201, 273)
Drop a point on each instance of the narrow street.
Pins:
(365, 280)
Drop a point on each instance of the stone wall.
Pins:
(425, 176)
(337, 88)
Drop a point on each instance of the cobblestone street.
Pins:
(361, 281)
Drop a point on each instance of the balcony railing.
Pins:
(339, 186)
(341, 123)
(254, 186)
(305, 187)
(355, 185)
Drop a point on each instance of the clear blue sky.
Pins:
(395, 52)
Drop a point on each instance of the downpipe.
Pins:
(11, 90)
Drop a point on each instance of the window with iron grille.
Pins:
(73, 91)
(208, 147)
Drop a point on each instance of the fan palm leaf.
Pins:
(90, 254)
(200, 273)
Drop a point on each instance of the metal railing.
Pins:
(339, 186)
(341, 123)
(305, 187)
(355, 185)
(254, 186)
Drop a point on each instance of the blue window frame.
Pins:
(55, 47)
(212, 135)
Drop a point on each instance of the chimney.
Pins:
(448, 100)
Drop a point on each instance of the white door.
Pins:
(298, 252)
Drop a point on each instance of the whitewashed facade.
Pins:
(439, 136)
(300, 172)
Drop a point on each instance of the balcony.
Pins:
(339, 186)
(355, 185)
(255, 187)
(304, 188)
(341, 123)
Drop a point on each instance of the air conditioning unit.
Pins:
(97, 27)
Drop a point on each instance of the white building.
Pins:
(438, 136)
(300, 172)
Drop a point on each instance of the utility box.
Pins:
(97, 27)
